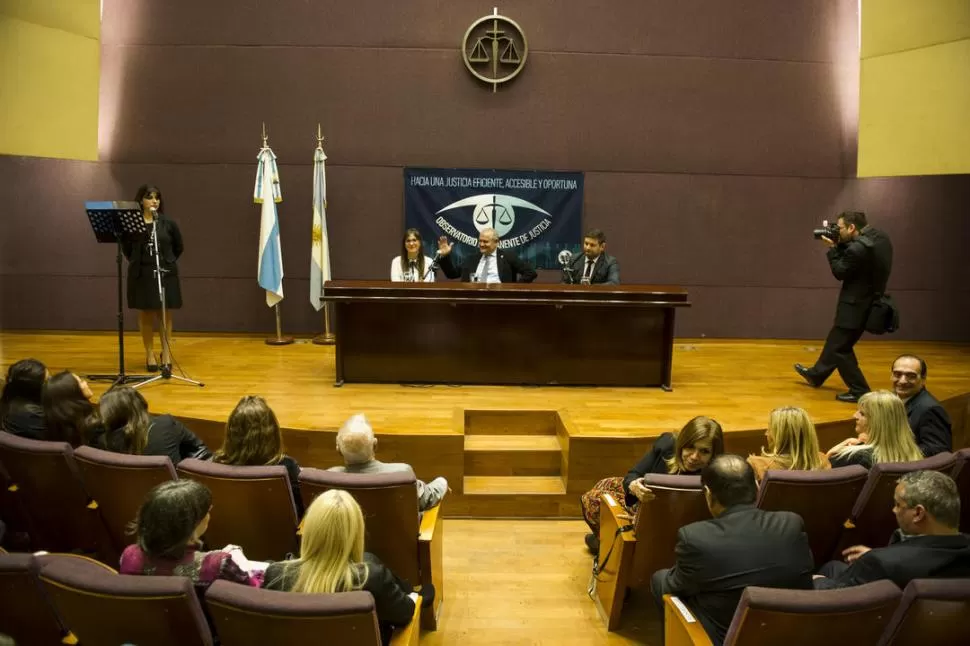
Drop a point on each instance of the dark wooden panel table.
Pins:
(472, 333)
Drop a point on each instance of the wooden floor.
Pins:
(737, 382)
(524, 582)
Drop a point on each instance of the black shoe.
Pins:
(427, 595)
(166, 370)
(593, 544)
(153, 366)
(806, 374)
(848, 398)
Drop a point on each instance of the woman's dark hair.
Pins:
(148, 189)
(70, 416)
(124, 412)
(23, 385)
(404, 252)
(168, 517)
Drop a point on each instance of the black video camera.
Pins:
(829, 230)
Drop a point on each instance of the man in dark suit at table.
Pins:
(741, 546)
(594, 266)
(488, 265)
(927, 417)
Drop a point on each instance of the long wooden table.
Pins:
(473, 333)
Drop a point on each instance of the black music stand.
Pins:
(115, 222)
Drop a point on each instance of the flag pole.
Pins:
(328, 337)
(279, 339)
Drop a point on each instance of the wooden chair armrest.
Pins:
(681, 627)
(409, 635)
(428, 522)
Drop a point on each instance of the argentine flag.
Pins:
(320, 241)
(267, 192)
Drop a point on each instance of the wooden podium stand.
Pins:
(472, 333)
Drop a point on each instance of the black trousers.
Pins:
(837, 354)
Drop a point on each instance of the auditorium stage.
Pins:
(506, 450)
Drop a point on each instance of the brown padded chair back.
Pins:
(50, 493)
(772, 616)
(25, 614)
(390, 505)
(245, 616)
(824, 499)
(119, 483)
(933, 612)
(961, 474)
(251, 507)
(872, 514)
(679, 501)
(103, 607)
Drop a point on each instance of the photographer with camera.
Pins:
(861, 257)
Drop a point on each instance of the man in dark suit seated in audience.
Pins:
(741, 546)
(356, 443)
(927, 417)
(928, 543)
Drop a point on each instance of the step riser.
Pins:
(513, 463)
(510, 422)
(512, 506)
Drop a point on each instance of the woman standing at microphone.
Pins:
(412, 266)
(142, 284)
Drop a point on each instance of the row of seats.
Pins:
(840, 507)
(929, 612)
(59, 598)
(85, 498)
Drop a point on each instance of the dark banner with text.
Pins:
(537, 214)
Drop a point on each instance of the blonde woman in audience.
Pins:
(792, 444)
(168, 533)
(883, 434)
(332, 559)
(686, 452)
(130, 429)
(253, 438)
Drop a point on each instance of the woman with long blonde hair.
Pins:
(792, 444)
(332, 559)
(883, 434)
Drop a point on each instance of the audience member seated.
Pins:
(927, 417)
(168, 533)
(741, 546)
(332, 559)
(69, 410)
(356, 443)
(684, 453)
(792, 444)
(130, 429)
(412, 266)
(883, 434)
(928, 543)
(21, 408)
(253, 438)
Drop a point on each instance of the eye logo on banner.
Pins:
(536, 213)
(494, 49)
(494, 211)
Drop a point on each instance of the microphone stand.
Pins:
(434, 266)
(166, 372)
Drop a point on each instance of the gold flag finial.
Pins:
(265, 138)
(319, 138)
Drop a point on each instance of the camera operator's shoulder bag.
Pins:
(883, 316)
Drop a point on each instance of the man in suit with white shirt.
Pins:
(489, 265)
(927, 417)
(594, 266)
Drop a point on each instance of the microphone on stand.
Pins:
(565, 256)
(434, 264)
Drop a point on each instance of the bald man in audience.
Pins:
(356, 443)
(928, 543)
(927, 418)
(742, 545)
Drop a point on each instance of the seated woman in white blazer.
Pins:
(412, 266)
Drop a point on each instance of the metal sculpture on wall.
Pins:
(494, 49)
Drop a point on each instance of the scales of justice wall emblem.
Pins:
(494, 49)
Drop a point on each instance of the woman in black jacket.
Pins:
(130, 429)
(21, 410)
(686, 453)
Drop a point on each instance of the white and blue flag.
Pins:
(267, 192)
(320, 247)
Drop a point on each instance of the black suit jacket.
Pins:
(917, 557)
(863, 265)
(605, 272)
(511, 268)
(718, 558)
(169, 241)
(930, 424)
(166, 436)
